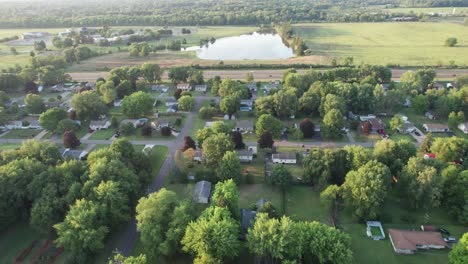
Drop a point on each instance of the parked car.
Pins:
(450, 240)
(117, 134)
(417, 133)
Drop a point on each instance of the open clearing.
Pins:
(405, 44)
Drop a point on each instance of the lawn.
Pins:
(103, 134)
(399, 137)
(22, 133)
(9, 146)
(406, 44)
(303, 203)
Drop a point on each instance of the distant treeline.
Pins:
(204, 12)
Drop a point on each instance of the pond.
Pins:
(253, 46)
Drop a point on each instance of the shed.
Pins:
(202, 192)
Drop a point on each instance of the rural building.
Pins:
(14, 124)
(99, 124)
(209, 124)
(53, 104)
(160, 87)
(245, 155)
(436, 128)
(376, 125)
(33, 35)
(244, 126)
(34, 124)
(407, 242)
(252, 86)
(246, 105)
(463, 127)
(75, 154)
(170, 102)
(201, 88)
(407, 128)
(184, 86)
(284, 158)
(198, 156)
(202, 192)
(366, 118)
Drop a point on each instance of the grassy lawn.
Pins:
(102, 134)
(303, 203)
(15, 239)
(251, 193)
(399, 137)
(387, 43)
(22, 133)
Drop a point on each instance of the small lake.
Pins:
(253, 46)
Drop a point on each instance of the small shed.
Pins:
(202, 192)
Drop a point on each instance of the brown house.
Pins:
(407, 242)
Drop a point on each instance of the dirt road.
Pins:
(262, 74)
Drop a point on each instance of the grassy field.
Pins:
(22, 133)
(387, 43)
(9, 146)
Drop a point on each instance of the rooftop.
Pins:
(411, 240)
(284, 156)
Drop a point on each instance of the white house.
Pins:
(366, 118)
(245, 155)
(170, 102)
(201, 88)
(436, 128)
(160, 87)
(74, 154)
(14, 124)
(284, 158)
(99, 124)
(184, 86)
(244, 126)
(463, 127)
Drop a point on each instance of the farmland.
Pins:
(405, 44)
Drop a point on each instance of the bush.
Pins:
(146, 131)
(127, 129)
(307, 128)
(249, 178)
(166, 131)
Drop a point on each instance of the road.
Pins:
(262, 74)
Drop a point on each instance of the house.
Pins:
(284, 158)
(429, 115)
(428, 228)
(270, 86)
(406, 128)
(407, 242)
(252, 86)
(14, 124)
(437, 85)
(246, 105)
(99, 124)
(160, 123)
(118, 103)
(160, 87)
(244, 126)
(75, 154)
(33, 35)
(407, 102)
(202, 192)
(366, 118)
(172, 108)
(463, 127)
(247, 221)
(34, 124)
(209, 124)
(198, 156)
(201, 88)
(184, 87)
(450, 85)
(436, 128)
(245, 156)
(376, 124)
(170, 102)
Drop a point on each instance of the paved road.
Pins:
(261, 74)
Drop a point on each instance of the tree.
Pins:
(14, 51)
(451, 149)
(327, 244)
(50, 75)
(280, 176)
(206, 112)
(309, 102)
(229, 87)
(420, 103)
(454, 192)
(425, 146)
(226, 195)
(186, 103)
(88, 105)
(67, 125)
(459, 254)
(214, 148)
(153, 221)
(119, 259)
(50, 119)
(178, 74)
(229, 105)
(39, 45)
(249, 77)
(30, 87)
(213, 237)
(454, 119)
(70, 140)
(151, 72)
(307, 128)
(237, 140)
(220, 127)
(396, 123)
(329, 198)
(332, 102)
(82, 231)
(394, 154)
(286, 103)
(166, 131)
(265, 140)
(268, 123)
(34, 104)
(451, 42)
(115, 202)
(137, 105)
(188, 143)
(229, 167)
(332, 124)
(365, 189)
(276, 240)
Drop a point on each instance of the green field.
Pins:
(406, 44)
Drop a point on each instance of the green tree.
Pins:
(396, 123)
(286, 103)
(137, 105)
(265, 105)
(182, 215)
(268, 123)
(332, 124)
(153, 220)
(213, 237)
(450, 149)
(280, 176)
(229, 167)
(365, 189)
(186, 103)
(309, 103)
(206, 112)
(451, 42)
(394, 154)
(203, 134)
(108, 91)
(276, 240)
(454, 192)
(151, 72)
(114, 201)
(119, 259)
(34, 104)
(249, 77)
(329, 198)
(229, 105)
(229, 87)
(227, 195)
(459, 253)
(82, 231)
(88, 105)
(214, 148)
(50, 119)
(331, 102)
(178, 74)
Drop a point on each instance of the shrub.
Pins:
(166, 131)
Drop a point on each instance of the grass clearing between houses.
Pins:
(406, 44)
(9, 146)
(21, 133)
